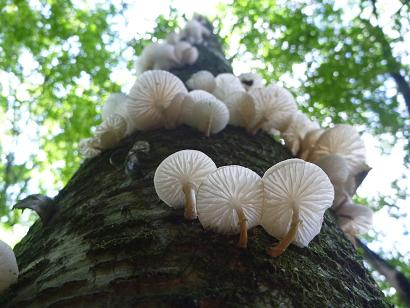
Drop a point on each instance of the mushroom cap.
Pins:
(193, 97)
(275, 104)
(156, 56)
(172, 38)
(180, 47)
(111, 131)
(89, 147)
(335, 167)
(115, 104)
(226, 84)
(173, 113)
(224, 191)
(202, 80)
(241, 109)
(150, 96)
(190, 55)
(309, 141)
(212, 110)
(355, 219)
(178, 169)
(342, 140)
(8, 267)
(294, 182)
(250, 80)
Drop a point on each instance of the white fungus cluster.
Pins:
(178, 49)
(289, 201)
(8, 267)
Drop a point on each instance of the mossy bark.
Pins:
(113, 243)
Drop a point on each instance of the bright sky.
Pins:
(141, 18)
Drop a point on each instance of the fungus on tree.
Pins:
(297, 193)
(111, 131)
(202, 80)
(226, 84)
(8, 267)
(156, 56)
(354, 219)
(241, 109)
(309, 142)
(250, 80)
(178, 177)
(150, 97)
(230, 200)
(89, 147)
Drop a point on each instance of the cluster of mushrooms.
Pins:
(289, 201)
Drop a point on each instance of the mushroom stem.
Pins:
(209, 125)
(243, 239)
(190, 201)
(258, 126)
(289, 237)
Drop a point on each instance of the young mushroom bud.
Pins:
(111, 131)
(178, 176)
(8, 267)
(202, 80)
(297, 193)
(150, 97)
(250, 80)
(230, 201)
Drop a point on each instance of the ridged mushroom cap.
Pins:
(275, 104)
(342, 140)
(226, 84)
(210, 113)
(241, 109)
(111, 131)
(150, 96)
(8, 267)
(295, 183)
(250, 80)
(225, 190)
(354, 219)
(336, 168)
(181, 168)
(193, 97)
(89, 147)
(202, 80)
(309, 142)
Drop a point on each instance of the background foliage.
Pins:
(57, 60)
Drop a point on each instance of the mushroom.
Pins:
(115, 104)
(226, 84)
(89, 147)
(111, 131)
(172, 38)
(205, 112)
(178, 176)
(297, 193)
(8, 267)
(173, 116)
(202, 80)
(241, 109)
(342, 140)
(250, 80)
(156, 56)
(150, 97)
(308, 143)
(336, 168)
(185, 52)
(274, 108)
(354, 219)
(230, 201)
(194, 32)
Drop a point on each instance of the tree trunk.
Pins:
(112, 243)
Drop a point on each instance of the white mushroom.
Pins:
(115, 104)
(344, 141)
(8, 267)
(309, 142)
(241, 109)
(354, 219)
(178, 176)
(150, 97)
(180, 48)
(194, 32)
(190, 100)
(250, 80)
(89, 147)
(173, 113)
(335, 167)
(230, 201)
(111, 131)
(274, 107)
(202, 80)
(156, 56)
(226, 84)
(172, 38)
(190, 55)
(297, 193)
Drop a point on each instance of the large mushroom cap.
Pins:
(181, 168)
(223, 192)
(8, 267)
(344, 141)
(150, 96)
(295, 183)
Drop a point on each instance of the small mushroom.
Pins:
(230, 201)
(226, 84)
(115, 104)
(297, 193)
(8, 267)
(274, 107)
(178, 176)
(150, 97)
(194, 32)
(111, 131)
(354, 219)
(89, 147)
(250, 80)
(309, 142)
(202, 80)
(185, 53)
(156, 56)
(241, 109)
(336, 168)
(342, 140)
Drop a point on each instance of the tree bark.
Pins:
(112, 243)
